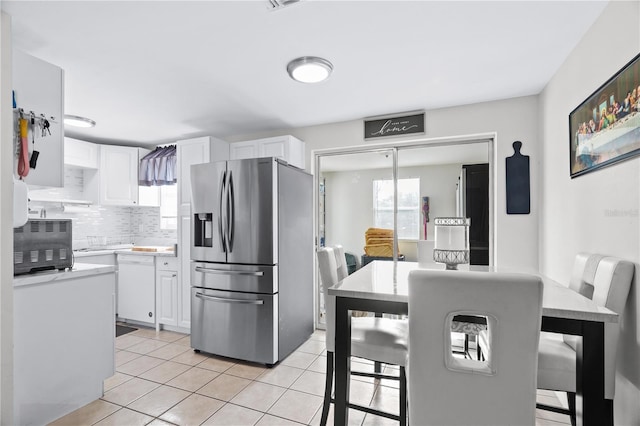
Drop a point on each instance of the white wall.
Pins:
(596, 212)
(516, 241)
(352, 192)
(6, 226)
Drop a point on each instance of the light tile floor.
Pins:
(159, 380)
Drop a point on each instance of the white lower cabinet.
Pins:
(136, 288)
(167, 291)
(63, 342)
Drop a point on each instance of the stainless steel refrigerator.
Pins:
(252, 259)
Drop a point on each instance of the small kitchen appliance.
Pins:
(42, 244)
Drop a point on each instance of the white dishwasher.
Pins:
(136, 287)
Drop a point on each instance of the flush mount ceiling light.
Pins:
(309, 69)
(77, 121)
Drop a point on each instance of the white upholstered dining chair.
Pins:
(557, 357)
(376, 339)
(446, 390)
(581, 281)
(583, 273)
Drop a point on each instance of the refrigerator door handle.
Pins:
(226, 272)
(225, 300)
(231, 219)
(221, 231)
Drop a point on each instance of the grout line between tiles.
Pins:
(376, 386)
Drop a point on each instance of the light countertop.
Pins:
(160, 253)
(80, 254)
(79, 270)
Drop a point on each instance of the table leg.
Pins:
(591, 406)
(342, 362)
(377, 365)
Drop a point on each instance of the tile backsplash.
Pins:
(100, 225)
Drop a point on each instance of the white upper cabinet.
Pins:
(39, 87)
(80, 154)
(287, 148)
(116, 180)
(241, 150)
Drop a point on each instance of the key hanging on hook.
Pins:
(33, 127)
(44, 125)
(34, 155)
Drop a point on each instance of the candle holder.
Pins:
(451, 241)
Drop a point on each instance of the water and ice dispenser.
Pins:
(203, 230)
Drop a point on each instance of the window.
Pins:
(408, 206)
(169, 207)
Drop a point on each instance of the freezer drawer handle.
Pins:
(223, 272)
(225, 300)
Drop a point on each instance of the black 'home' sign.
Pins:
(394, 126)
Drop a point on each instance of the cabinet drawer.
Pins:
(165, 263)
(138, 259)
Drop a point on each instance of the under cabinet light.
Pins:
(77, 121)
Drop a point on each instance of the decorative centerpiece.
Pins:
(452, 241)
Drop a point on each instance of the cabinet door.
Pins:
(242, 150)
(80, 154)
(118, 175)
(167, 292)
(274, 147)
(287, 148)
(39, 87)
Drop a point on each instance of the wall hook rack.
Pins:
(21, 113)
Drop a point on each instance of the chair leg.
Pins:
(377, 366)
(327, 389)
(571, 398)
(403, 397)
(466, 346)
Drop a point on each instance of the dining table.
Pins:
(382, 287)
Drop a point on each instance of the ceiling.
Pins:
(152, 72)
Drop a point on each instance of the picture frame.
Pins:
(605, 128)
(411, 123)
